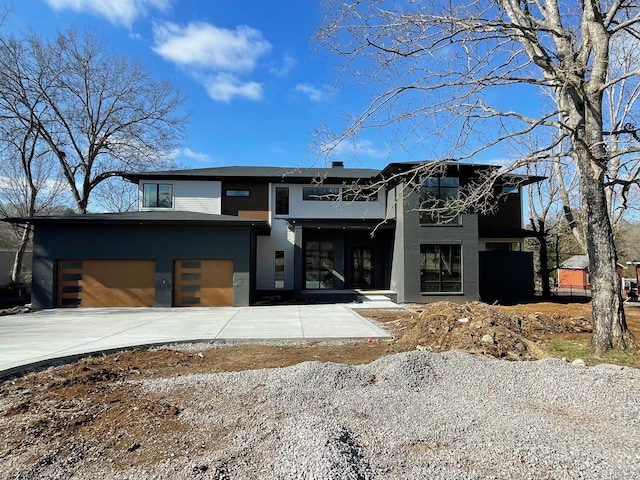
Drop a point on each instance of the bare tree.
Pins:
(438, 70)
(116, 195)
(619, 118)
(28, 183)
(544, 219)
(99, 113)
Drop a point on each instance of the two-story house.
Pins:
(235, 235)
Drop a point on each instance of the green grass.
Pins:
(581, 348)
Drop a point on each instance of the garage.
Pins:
(138, 259)
(106, 283)
(203, 283)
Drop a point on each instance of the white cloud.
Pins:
(314, 94)
(225, 87)
(118, 12)
(288, 62)
(204, 45)
(216, 57)
(198, 156)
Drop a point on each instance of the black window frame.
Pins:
(319, 258)
(359, 194)
(157, 197)
(434, 195)
(282, 204)
(238, 193)
(320, 194)
(279, 274)
(447, 279)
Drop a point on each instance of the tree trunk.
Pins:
(610, 329)
(17, 261)
(544, 268)
(543, 257)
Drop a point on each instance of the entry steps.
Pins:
(374, 301)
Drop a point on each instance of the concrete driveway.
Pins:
(38, 338)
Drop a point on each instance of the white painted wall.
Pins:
(281, 239)
(190, 195)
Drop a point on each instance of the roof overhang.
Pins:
(400, 168)
(342, 223)
(146, 218)
(252, 174)
(507, 233)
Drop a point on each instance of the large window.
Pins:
(321, 193)
(440, 269)
(359, 194)
(435, 193)
(282, 200)
(157, 195)
(319, 265)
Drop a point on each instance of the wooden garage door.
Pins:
(106, 283)
(203, 283)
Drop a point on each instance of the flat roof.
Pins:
(333, 174)
(143, 217)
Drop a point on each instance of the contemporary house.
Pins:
(236, 235)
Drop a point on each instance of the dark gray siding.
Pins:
(508, 216)
(410, 235)
(162, 243)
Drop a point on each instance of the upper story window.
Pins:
(358, 194)
(510, 189)
(321, 193)
(282, 200)
(435, 192)
(238, 193)
(157, 195)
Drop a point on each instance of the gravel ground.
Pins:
(405, 416)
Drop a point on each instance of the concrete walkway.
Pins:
(36, 339)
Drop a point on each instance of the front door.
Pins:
(362, 267)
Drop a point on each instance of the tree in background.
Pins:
(544, 220)
(29, 185)
(442, 70)
(98, 113)
(116, 195)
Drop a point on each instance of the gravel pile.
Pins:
(411, 415)
(416, 415)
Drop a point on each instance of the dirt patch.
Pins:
(506, 333)
(95, 410)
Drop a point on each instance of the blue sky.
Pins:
(255, 86)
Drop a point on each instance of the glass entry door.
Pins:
(319, 271)
(362, 267)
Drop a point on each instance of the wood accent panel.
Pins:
(203, 283)
(106, 283)
(257, 214)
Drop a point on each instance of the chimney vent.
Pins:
(337, 164)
